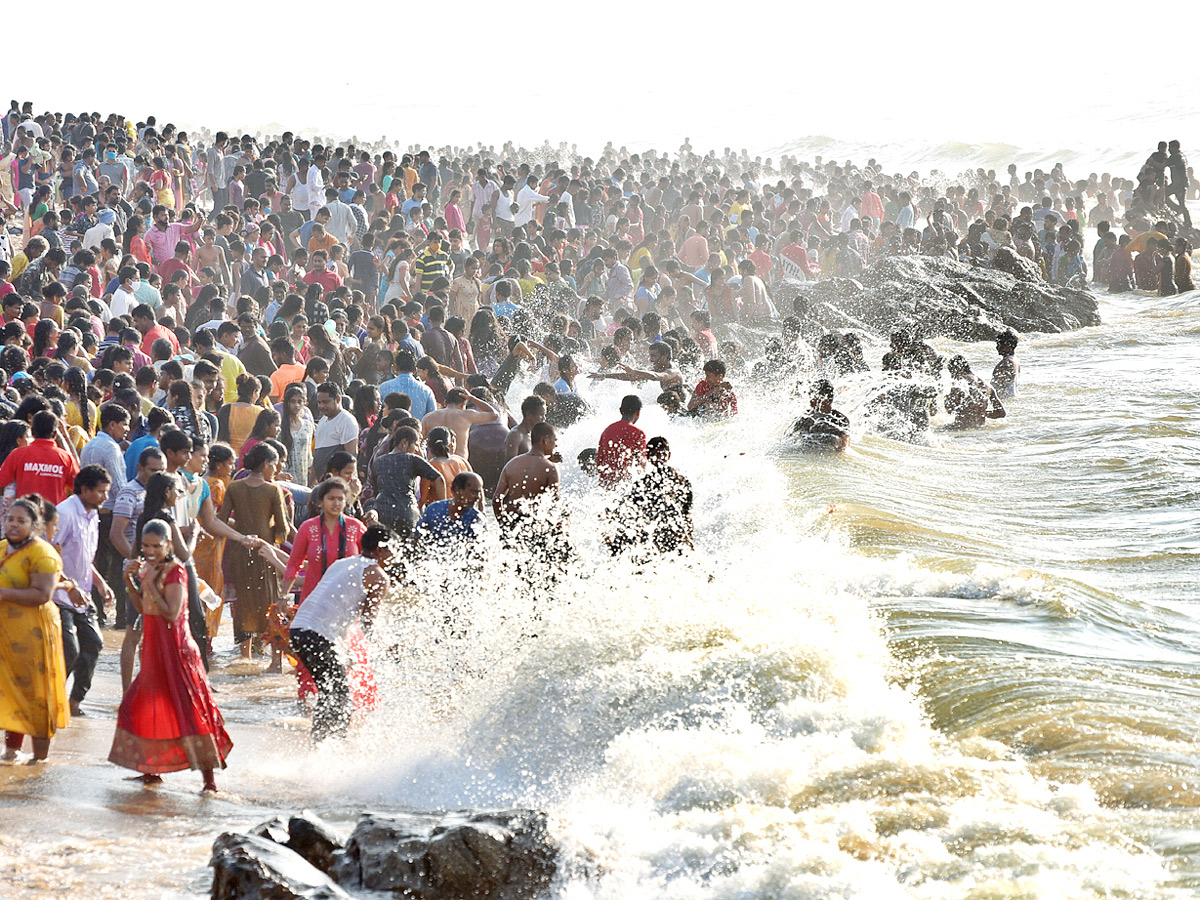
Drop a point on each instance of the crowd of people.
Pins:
(256, 373)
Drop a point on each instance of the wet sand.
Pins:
(76, 826)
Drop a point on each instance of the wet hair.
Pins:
(631, 404)
(438, 442)
(375, 536)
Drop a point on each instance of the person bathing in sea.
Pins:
(823, 419)
(970, 401)
(1006, 372)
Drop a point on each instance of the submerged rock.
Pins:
(943, 297)
(490, 856)
(252, 867)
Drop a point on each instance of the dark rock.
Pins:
(464, 856)
(311, 837)
(943, 297)
(275, 829)
(252, 867)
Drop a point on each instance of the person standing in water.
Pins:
(168, 720)
(970, 401)
(1007, 371)
(348, 592)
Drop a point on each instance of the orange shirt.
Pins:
(288, 373)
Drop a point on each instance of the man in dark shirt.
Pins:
(439, 343)
(255, 354)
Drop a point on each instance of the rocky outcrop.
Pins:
(505, 855)
(250, 867)
(488, 856)
(942, 297)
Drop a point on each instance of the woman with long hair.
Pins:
(236, 420)
(367, 404)
(135, 244)
(45, 333)
(181, 403)
(324, 347)
(322, 540)
(68, 352)
(488, 343)
(81, 412)
(168, 720)
(296, 432)
(266, 427)
(33, 697)
(258, 506)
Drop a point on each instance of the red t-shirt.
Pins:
(41, 468)
(156, 332)
(622, 447)
(725, 406)
(762, 262)
(328, 279)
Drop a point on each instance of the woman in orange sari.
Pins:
(209, 548)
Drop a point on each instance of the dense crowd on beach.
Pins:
(246, 377)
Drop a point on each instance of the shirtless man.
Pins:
(662, 369)
(459, 419)
(970, 401)
(520, 439)
(527, 477)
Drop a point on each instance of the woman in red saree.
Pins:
(168, 720)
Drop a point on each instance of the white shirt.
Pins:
(342, 223)
(123, 301)
(503, 204)
(481, 196)
(94, 235)
(850, 213)
(525, 200)
(335, 432)
(316, 189)
(334, 604)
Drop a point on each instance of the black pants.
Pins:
(197, 623)
(82, 644)
(110, 563)
(332, 715)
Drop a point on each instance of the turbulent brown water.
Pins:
(965, 668)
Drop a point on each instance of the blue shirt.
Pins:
(437, 523)
(404, 383)
(103, 450)
(134, 453)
